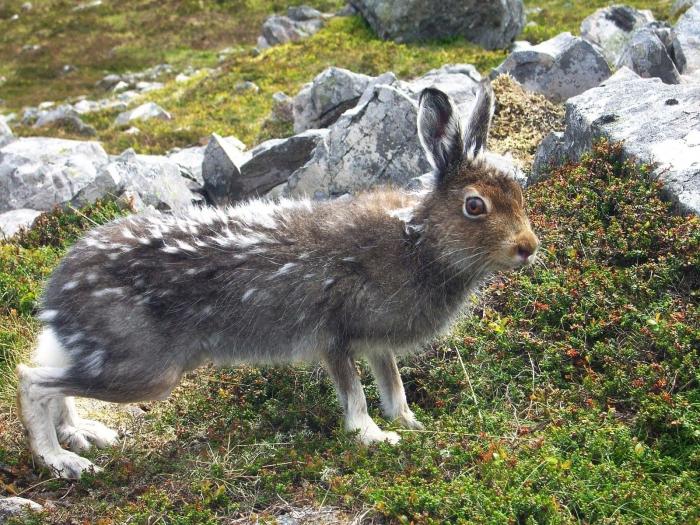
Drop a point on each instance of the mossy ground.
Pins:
(570, 394)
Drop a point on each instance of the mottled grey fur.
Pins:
(140, 301)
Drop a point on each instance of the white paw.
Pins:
(407, 419)
(68, 465)
(85, 434)
(370, 435)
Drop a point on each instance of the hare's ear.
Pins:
(439, 131)
(477, 131)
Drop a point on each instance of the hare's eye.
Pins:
(474, 206)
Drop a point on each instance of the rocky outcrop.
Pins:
(15, 507)
(652, 52)
(559, 68)
(330, 94)
(145, 181)
(376, 141)
(657, 123)
(688, 34)
(13, 221)
(300, 22)
(220, 169)
(611, 28)
(66, 117)
(147, 111)
(489, 23)
(40, 173)
(273, 161)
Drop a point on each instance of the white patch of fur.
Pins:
(185, 246)
(49, 351)
(70, 285)
(48, 315)
(108, 291)
(126, 232)
(285, 269)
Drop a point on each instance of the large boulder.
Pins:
(221, 169)
(13, 221)
(15, 507)
(331, 93)
(146, 181)
(559, 68)
(376, 141)
(273, 161)
(688, 34)
(40, 173)
(300, 22)
(610, 28)
(190, 162)
(653, 52)
(657, 123)
(490, 23)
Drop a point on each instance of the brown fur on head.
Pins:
(475, 211)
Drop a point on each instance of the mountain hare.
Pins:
(142, 300)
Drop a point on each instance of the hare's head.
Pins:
(475, 209)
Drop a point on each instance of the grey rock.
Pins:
(680, 6)
(15, 507)
(221, 170)
(623, 74)
(300, 22)
(282, 107)
(87, 5)
(246, 87)
(688, 33)
(120, 86)
(5, 130)
(323, 100)
(149, 181)
(375, 142)
(13, 221)
(491, 24)
(66, 117)
(348, 10)
(109, 81)
(610, 28)
(657, 123)
(273, 161)
(559, 68)
(40, 173)
(303, 13)
(647, 55)
(147, 111)
(190, 162)
(144, 86)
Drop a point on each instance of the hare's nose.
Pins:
(524, 252)
(526, 247)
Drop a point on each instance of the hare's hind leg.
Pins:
(37, 394)
(342, 369)
(391, 391)
(76, 433)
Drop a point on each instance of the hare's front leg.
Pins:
(342, 369)
(391, 392)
